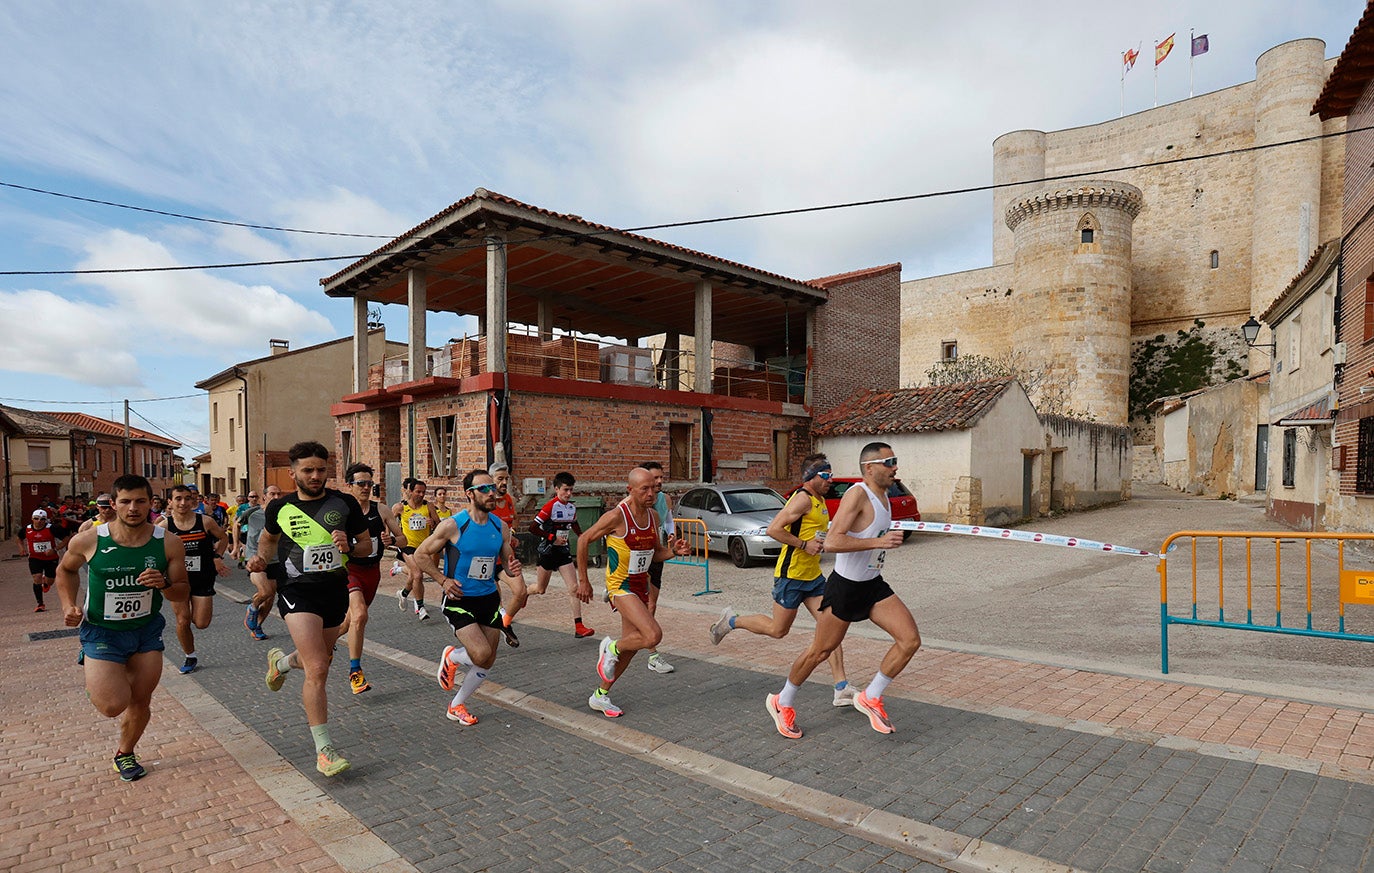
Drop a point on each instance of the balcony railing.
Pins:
(585, 359)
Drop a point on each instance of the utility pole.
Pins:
(128, 452)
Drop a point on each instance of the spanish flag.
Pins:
(1128, 58)
(1162, 50)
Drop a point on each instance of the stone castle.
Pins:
(1131, 284)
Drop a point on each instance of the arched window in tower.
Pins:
(1088, 231)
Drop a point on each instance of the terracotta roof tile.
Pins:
(855, 275)
(36, 423)
(109, 428)
(1353, 72)
(1317, 413)
(912, 410)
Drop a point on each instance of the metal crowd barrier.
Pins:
(1349, 587)
(694, 531)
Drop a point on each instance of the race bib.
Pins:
(322, 558)
(418, 522)
(42, 547)
(193, 563)
(640, 560)
(481, 568)
(876, 562)
(560, 538)
(126, 605)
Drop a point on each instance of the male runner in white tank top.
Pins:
(860, 535)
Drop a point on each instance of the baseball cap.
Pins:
(38, 513)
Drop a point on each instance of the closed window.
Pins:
(1216, 259)
(443, 445)
(949, 351)
(1364, 459)
(39, 457)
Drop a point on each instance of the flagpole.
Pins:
(1190, 62)
(1156, 75)
(1123, 86)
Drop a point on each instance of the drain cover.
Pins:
(54, 634)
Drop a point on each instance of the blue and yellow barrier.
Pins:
(1350, 587)
(693, 530)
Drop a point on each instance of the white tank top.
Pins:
(865, 565)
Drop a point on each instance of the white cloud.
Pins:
(50, 335)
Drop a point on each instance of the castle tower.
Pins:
(1072, 285)
(1288, 179)
(1018, 156)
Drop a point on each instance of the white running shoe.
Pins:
(401, 599)
(602, 703)
(659, 664)
(722, 626)
(605, 661)
(844, 696)
(422, 613)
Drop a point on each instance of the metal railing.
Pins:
(693, 530)
(1266, 589)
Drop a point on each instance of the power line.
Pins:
(165, 432)
(49, 401)
(184, 216)
(699, 222)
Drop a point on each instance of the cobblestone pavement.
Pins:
(998, 763)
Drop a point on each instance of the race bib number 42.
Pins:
(126, 605)
(322, 558)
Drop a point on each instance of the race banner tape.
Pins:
(1019, 536)
(973, 530)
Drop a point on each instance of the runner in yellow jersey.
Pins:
(418, 520)
(797, 579)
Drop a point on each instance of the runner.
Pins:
(311, 531)
(264, 583)
(472, 542)
(632, 543)
(860, 536)
(236, 530)
(133, 566)
(204, 542)
(104, 513)
(364, 573)
(40, 544)
(666, 530)
(552, 525)
(801, 527)
(440, 502)
(505, 510)
(418, 520)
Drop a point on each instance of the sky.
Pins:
(368, 118)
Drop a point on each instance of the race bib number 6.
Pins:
(481, 568)
(126, 605)
(322, 558)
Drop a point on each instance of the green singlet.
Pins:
(114, 597)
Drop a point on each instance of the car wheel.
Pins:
(739, 553)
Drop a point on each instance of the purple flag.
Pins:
(1200, 45)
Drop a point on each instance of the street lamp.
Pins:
(1250, 330)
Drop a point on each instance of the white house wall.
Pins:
(930, 464)
(998, 439)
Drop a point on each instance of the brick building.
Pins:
(1348, 95)
(559, 394)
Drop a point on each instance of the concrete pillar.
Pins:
(671, 361)
(496, 303)
(810, 346)
(359, 345)
(702, 338)
(545, 317)
(416, 301)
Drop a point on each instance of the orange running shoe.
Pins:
(784, 717)
(461, 715)
(877, 715)
(448, 671)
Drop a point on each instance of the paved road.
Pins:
(1081, 608)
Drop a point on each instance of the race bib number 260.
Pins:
(126, 605)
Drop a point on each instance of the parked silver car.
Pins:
(735, 508)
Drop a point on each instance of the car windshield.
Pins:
(760, 500)
(897, 489)
(837, 490)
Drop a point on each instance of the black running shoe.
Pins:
(128, 768)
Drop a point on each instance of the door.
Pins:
(679, 451)
(33, 495)
(1262, 458)
(1027, 483)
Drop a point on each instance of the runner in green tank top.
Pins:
(133, 567)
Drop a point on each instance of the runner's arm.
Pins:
(795, 508)
(427, 554)
(67, 579)
(267, 546)
(607, 523)
(847, 518)
(174, 584)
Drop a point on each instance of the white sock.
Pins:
(875, 689)
(284, 663)
(475, 677)
(788, 695)
(459, 655)
(190, 654)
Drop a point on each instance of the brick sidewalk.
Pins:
(65, 809)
